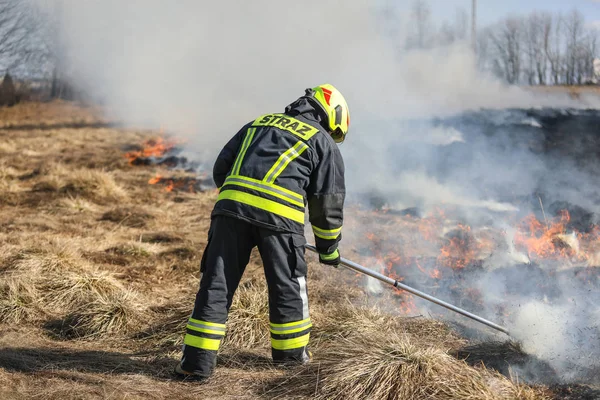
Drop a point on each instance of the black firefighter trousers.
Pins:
(230, 242)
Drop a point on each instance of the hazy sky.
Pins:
(491, 10)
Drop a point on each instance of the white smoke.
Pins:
(554, 333)
(204, 68)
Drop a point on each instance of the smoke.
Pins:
(550, 336)
(202, 69)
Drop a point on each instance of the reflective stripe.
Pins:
(247, 140)
(295, 195)
(331, 256)
(303, 296)
(290, 324)
(295, 330)
(193, 327)
(284, 330)
(267, 188)
(287, 123)
(288, 344)
(263, 204)
(212, 325)
(202, 343)
(326, 234)
(283, 161)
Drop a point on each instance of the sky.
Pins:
(490, 11)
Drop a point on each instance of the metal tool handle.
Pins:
(364, 270)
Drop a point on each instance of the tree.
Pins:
(592, 53)
(574, 30)
(551, 28)
(507, 38)
(456, 31)
(13, 32)
(535, 40)
(421, 14)
(29, 40)
(484, 51)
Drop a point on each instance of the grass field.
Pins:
(98, 273)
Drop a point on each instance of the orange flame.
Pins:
(155, 180)
(541, 241)
(399, 243)
(461, 249)
(176, 184)
(155, 147)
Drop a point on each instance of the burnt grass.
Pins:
(75, 208)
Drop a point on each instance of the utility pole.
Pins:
(474, 26)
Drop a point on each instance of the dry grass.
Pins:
(98, 275)
(18, 300)
(39, 260)
(383, 364)
(70, 290)
(48, 114)
(127, 216)
(248, 322)
(96, 185)
(111, 314)
(247, 325)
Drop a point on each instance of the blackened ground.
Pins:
(514, 155)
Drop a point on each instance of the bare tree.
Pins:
(421, 14)
(461, 24)
(447, 34)
(483, 50)
(507, 38)
(13, 32)
(574, 30)
(551, 28)
(536, 38)
(592, 53)
(531, 38)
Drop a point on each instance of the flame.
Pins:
(460, 250)
(542, 241)
(429, 227)
(408, 306)
(420, 251)
(186, 184)
(155, 147)
(155, 180)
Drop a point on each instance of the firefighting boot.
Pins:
(188, 376)
(180, 373)
(288, 358)
(196, 364)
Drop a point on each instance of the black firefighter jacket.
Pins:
(277, 165)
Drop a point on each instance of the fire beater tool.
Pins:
(386, 279)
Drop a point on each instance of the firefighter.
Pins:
(267, 175)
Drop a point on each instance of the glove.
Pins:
(332, 259)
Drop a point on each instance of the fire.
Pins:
(436, 254)
(155, 180)
(548, 241)
(185, 184)
(407, 306)
(156, 147)
(460, 250)
(429, 227)
(156, 151)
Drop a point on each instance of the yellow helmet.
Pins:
(335, 107)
